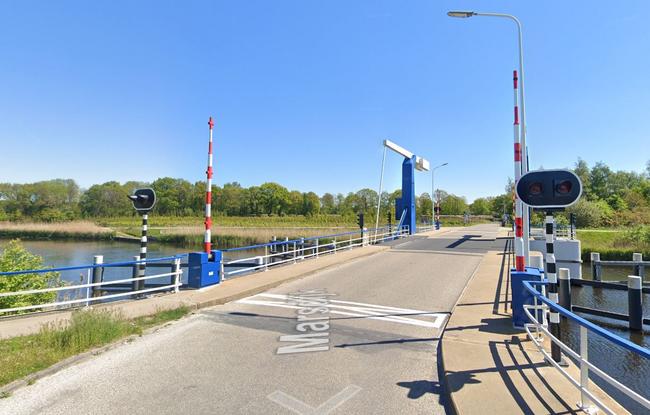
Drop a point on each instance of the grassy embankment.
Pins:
(25, 355)
(612, 244)
(77, 230)
(227, 231)
(231, 231)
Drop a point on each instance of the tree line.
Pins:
(610, 198)
(62, 200)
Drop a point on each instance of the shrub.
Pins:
(591, 214)
(16, 258)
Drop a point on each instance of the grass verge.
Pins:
(77, 230)
(610, 244)
(25, 355)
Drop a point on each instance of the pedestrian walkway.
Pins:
(491, 368)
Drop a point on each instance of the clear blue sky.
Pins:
(303, 91)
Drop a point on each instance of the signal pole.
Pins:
(207, 240)
(520, 257)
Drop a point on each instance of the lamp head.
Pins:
(460, 13)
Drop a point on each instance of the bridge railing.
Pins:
(97, 291)
(536, 331)
(561, 231)
(291, 251)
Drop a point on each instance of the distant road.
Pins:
(358, 338)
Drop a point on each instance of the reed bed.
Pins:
(82, 230)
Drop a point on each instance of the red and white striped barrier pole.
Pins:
(520, 261)
(207, 244)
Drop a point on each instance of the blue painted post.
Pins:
(204, 269)
(408, 193)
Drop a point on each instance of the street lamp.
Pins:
(433, 170)
(524, 164)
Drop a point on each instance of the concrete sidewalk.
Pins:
(491, 368)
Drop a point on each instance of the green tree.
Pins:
(274, 198)
(600, 180)
(295, 203)
(16, 258)
(453, 205)
(106, 200)
(480, 206)
(591, 213)
(328, 203)
(582, 170)
(311, 204)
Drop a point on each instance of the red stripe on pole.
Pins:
(211, 123)
(208, 222)
(515, 78)
(519, 228)
(517, 152)
(209, 172)
(519, 263)
(210, 148)
(207, 247)
(208, 197)
(516, 115)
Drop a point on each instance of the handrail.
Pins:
(584, 322)
(311, 238)
(93, 266)
(588, 398)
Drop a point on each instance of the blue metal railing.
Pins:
(582, 356)
(352, 239)
(93, 266)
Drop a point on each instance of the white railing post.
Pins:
(98, 274)
(334, 244)
(585, 402)
(266, 257)
(316, 247)
(177, 275)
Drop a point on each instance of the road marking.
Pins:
(354, 309)
(302, 408)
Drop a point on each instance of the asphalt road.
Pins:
(359, 338)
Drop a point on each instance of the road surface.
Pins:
(361, 338)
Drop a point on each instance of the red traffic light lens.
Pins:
(535, 189)
(564, 187)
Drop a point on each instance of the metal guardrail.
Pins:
(96, 289)
(638, 265)
(305, 248)
(561, 231)
(536, 329)
(93, 289)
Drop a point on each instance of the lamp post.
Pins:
(433, 171)
(524, 164)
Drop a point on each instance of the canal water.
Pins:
(58, 254)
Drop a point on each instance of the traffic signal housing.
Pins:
(549, 189)
(143, 200)
(360, 220)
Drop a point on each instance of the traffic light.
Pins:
(549, 189)
(436, 210)
(390, 217)
(143, 200)
(360, 220)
